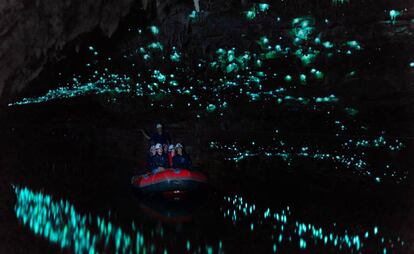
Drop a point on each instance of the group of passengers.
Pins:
(163, 154)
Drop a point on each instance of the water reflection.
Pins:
(280, 231)
(60, 223)
(285, 231)
(172, 212)
(342, 152)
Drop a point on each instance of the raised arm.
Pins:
(145, 134)
(197, 5)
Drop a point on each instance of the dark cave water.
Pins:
(302, 122)
(73, 197)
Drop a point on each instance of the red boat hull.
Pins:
(170, 180)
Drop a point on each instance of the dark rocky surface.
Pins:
(34, 32)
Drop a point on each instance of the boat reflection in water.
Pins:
(201, 229)
(174, 208)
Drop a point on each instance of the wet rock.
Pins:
(31, 32)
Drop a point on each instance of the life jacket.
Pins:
(160, 161)
(181, 161)
(149, 163)
(170, 158)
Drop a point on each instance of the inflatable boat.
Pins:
(170, 181)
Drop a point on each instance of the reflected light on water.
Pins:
(60, 223)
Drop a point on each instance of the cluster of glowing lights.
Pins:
(106, 83)
(302, 28)
(60, 223)
(340, 2)
(350, 154)
(256, 10)
(238, 74)
(287, 231)
(395, 145)
(100, 82)
(394, 14)
(213, 86)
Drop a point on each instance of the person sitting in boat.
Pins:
(159, 160)
(171, 154)
(181, 159)
(159, 136)
(151, 154)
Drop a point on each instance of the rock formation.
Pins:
(32, 31)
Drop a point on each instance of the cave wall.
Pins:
(31, 32)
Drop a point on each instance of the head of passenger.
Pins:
(171, 149)
(158, 127)
(179, 149)
(152, 151)
(158, 148)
